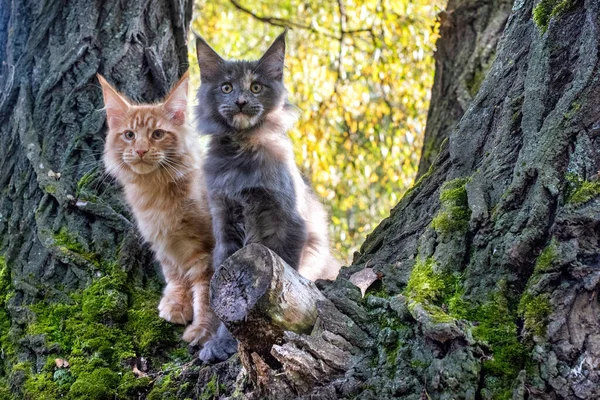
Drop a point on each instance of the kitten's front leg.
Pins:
(176, 303)
(228, 228)
(205, 322)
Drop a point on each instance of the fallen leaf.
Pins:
(364, 279)
(55, 175)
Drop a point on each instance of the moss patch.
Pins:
(535, 311)
(585, 192)
(494, 322)
(212, 390)
(98, 332)
(545, 260)
(426, 285)
(454, 213)
(68, 242)
(5, 343)
(546, 9)
(85, 181)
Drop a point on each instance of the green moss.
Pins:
(418, 364)
(458, 308)
(63, 377)
(496, 325)
(546, 258)
(50, 189)
(430, 286)
(535, 311)
(376, 291)
(99, 384)
(43, 386)
(425, 285)
(104, 300)
(574, 108)
(212, 389)
(454, 212)
(165, 388)
(5, 393)
(132, 387)
(6, 291)
(546, 9)
(98, 331)
(85, 180)
(69, 242)
(585, 192)
(437, 314)
(147, 330)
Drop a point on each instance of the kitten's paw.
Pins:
(219, 348)
(195, 334)
(174, 311)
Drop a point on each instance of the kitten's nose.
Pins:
(241, 103)
(141, 152)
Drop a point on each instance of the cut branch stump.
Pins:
(258, 297)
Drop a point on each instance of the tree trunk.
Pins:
(469, 33)
(76, 283)
(486, 271)
(489, 266)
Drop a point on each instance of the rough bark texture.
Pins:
(469, 33)
(259, 297)
(75, 282)
(489, 267)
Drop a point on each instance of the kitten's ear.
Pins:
(209, 60)
(116, 106)
(176, 103)
(272, 62)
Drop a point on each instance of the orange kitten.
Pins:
(151, 151)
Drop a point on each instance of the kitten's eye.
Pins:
(256, 87)
(129, 135)
(158, 134)
(226, 88)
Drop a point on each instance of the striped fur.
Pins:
(165, 189)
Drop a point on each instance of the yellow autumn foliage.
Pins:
(360, 71)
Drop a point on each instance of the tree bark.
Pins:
(487, 270)
(63, 225)
(259, 297)
(469, 33)
(489, 265)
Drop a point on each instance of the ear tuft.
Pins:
(116, 105)
(272, 62)
(210, 61)
(176, 103)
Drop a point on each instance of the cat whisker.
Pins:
(175, 165)
(173, 174)
(88, 151)
(77, 166)
(175, 162)
(107, 175)
(167, 167)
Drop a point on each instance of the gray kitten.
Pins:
(256, 193)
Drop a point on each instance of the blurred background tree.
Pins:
(361, 73)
